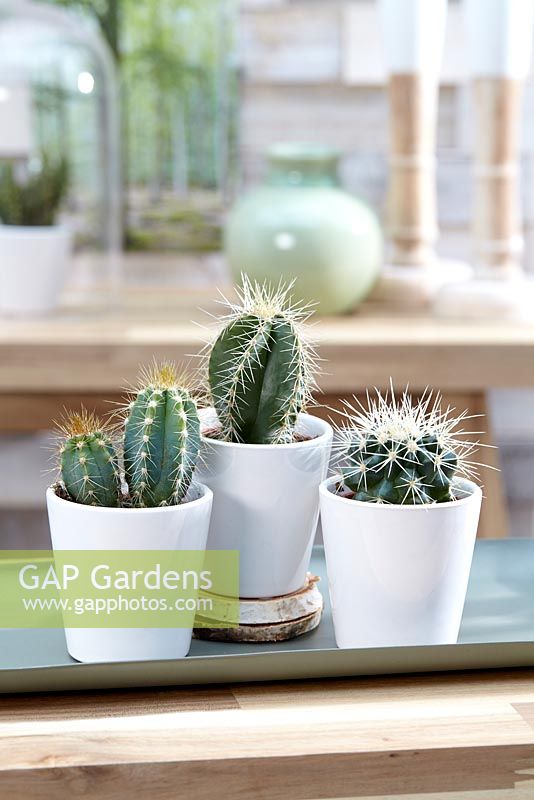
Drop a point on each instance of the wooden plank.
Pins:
(298, 778)
(321, 43)
(25, 413)
(296, 43)
(522, 791)
(96, 353)
(389, 694)
(353, 120)
(100, 705)
(305, 740)
(83, 368)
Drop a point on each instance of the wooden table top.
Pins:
(99, 349)
(402, 736)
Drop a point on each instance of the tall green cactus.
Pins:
(261, 367)
(404, 453)
(161, 440)
(88, 461)
(160, 448)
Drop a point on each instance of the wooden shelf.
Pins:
(100, 349)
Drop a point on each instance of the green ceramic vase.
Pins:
(300, 225)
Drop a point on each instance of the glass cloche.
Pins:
(60, 184)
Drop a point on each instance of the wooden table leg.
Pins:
(494, 517)
(494, 521)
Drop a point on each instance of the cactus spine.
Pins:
(161, 440)
(88, 461)
(261, 367)
(404, 453)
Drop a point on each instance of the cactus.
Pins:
(261, 367)
(160, 448)
(88, 461)
(402, 452)
(161, 440)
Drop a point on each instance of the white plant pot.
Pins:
(79, 527)
(266, 504)
(398, 574)
(34, 263)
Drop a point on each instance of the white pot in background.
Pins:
(398, 574)
(34, 263)
(79, 527)
(266, 504)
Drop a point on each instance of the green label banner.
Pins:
(119, 589)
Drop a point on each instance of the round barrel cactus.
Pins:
(261, 367)
(404, 452)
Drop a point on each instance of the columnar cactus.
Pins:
(88, 461)
(161, 440)
(261, 367)
(160, 448)
(402, 452)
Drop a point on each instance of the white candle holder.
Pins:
(499, 34)
(413, 34)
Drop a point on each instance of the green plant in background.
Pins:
(159, 448)
(161, 440)
(176, 66)
(32, 198)
(107, 13)
(404, 452)
(261, 367)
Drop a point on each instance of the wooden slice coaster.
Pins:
(272, 619)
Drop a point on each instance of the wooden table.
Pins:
(88, 353)
(470, 734)
(84, 355)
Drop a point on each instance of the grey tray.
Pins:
(497, 631)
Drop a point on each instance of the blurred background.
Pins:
(162, 111)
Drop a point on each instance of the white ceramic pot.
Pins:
(398, 574)
(266, 504)
(79, 527)
(33, 268)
